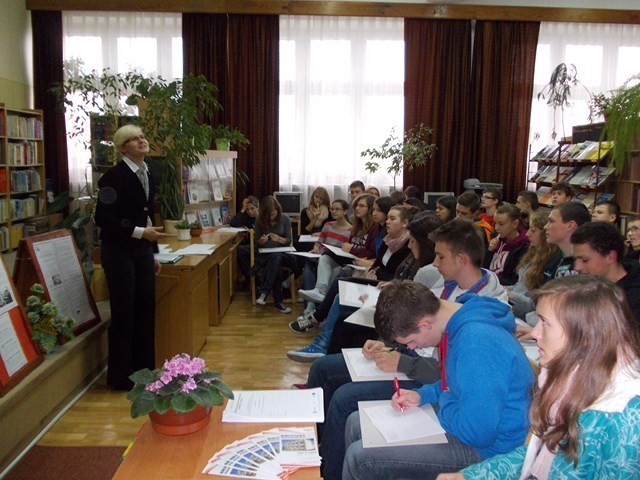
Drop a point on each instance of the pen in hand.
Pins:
(397, 387)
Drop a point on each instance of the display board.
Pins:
(52, 260)
(18, 353)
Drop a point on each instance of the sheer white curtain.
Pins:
(341, 91)
(150, 43)
(605, 55)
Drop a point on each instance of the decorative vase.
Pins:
(170, 226)
(183, 234)
(175, 424)
(196, 232)
(223, 144)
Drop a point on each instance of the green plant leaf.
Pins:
(143, 404)
(222, 388)
(202, 396)
(143, 376)
(182, 403)
(162, 404)
(135, 391)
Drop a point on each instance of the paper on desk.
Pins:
(298, 446)
(357, 294)
(231, 230)
(382, 426)
(307, 239)
(197, 249)
(256, 406)
(363, 316)
(277, 250)
(355, 267)
(363, 369)
(168, 258)
(306, 254)
(338, 251)
(164, 248)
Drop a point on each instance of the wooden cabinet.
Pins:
(628, 185)
(22, 175)
(209, 188)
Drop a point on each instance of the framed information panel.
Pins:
(18, 353)
(51, 259)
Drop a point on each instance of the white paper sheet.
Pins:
(306, 254)
(255, 406)
(416, 426)
(363, 369)
(307, 239)
(231, 230)
(338, 251)
(277, 250)
(10, 349)
(362, 316)
(357, 294)
(197, 249)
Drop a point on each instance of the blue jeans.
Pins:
(415, 461)
(323, 338)
(341, 398)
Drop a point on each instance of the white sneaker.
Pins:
(315, 295)
(262, 299)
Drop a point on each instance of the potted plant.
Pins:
(558, 91)
(196, 228)
(180, 389)
(225, 136)
(599, 106)
(623, 124)
(183, 227)
(412, 150)
(48, 327)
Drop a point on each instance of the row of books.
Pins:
(582, 175)
(5, 211)
(24, 207)
(22, 127)
(589, 199)
(11, 235)
(570, 152)
(25, 180)
(213, 216)
(23, 153)
(203, 191)
(209, 169)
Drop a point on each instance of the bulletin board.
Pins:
(18, 353)
(52, 260)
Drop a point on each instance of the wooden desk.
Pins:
(193, 294)
(154, 456)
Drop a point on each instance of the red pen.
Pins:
(397, 387)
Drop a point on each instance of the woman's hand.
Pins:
(362, 262)
(407, 399)
(346, 247)
(316, 248)
(371, 274)
(493, 244)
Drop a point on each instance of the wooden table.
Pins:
(193, 294)
(154, 456)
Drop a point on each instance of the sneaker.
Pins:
(307, 354)
(262, 299)
(281, 308)
(314, 295)
(299, 386)
(303, 323)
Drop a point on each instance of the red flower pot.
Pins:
(172, 423)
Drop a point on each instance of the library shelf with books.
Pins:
(628, 185)
(210, 188)
(22, 174)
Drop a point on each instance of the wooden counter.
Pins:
(180, 458)
(193, 294)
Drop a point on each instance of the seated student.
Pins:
(314, 216)
(459, 249)
(333, 233)
(563, 221)
(361, 244)
(246, 218)
(528, 203)
(373, 191)
(413, 204)
(446, 208)
(468, 207)
(506, 250)
(606, 211)
(273, 229)
(482, 397)
(561, 193)
(389, 257)
(633, 238)
(490, 201)
(531, 267)
(356, 188)
(598, 250)
(585, 410)
(413, 192)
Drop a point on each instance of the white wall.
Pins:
(16, 78)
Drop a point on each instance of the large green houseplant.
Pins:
(171, 114)
(623, 122)
(411, 150)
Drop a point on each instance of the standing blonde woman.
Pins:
(585, 414)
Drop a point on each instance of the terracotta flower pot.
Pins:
(172, 423)
(196, 232)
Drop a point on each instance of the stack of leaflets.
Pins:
(271, 455)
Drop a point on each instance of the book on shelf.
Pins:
(217, 190)
(605, 197)
(586, 198)
(205, 218)
(547, 153)
(580, 174)
(191, 216)
(597, 176)
(225, 213)
(216, 215)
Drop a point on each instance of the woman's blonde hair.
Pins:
(536, 257)
(324, 197)
(124, 133)
(601, 332)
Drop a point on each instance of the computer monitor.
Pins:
(430, 199)
(291, 202)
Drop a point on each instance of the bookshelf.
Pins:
(22, 175)
(584, 165)
(210, 189)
